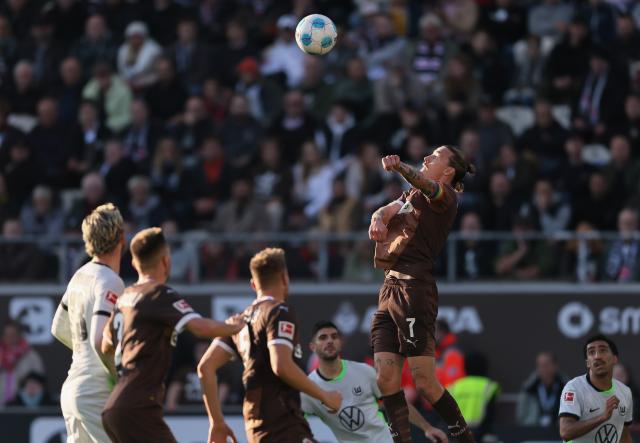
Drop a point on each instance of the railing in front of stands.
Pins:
(200, 257)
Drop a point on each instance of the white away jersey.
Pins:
(582, 400)
(92, 291)
(360, 419)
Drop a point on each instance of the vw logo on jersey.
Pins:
(607, 434)
(352, 418)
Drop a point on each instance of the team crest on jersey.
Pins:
(111, 297)
(406, 208)
(182, 306)
(286, 329)
(568, 397)
(623, 410)
(357, 390)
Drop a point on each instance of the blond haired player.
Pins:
(80, 319)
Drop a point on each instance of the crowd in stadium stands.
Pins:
(205, 115)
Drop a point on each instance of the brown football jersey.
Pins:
(417, 233)
(270, 406)
(144, 327)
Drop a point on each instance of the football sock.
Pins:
(449, 411)
(398, 416)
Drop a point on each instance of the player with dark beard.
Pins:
(409, 234)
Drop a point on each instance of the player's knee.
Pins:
(388, 381)
(203, 368)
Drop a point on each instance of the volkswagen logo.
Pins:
(352, 418)
(607, 434)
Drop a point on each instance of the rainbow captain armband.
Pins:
(439, 194)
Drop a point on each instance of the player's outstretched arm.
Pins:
(284, 367)
(211, 361)
(61, 328)
(432, 433)
(380, 219)
(207, 328)
(429, 187)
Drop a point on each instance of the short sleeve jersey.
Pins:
(359, 419)
(92, 291)
(418, 232)
(580, 399)
(270, 404)
(144, 328)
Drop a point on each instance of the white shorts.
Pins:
(82, 413)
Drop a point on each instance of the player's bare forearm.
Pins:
(211, 361)
(571, 428)
(285, 368)
(207, 328)
(385, 213)
(427, 186)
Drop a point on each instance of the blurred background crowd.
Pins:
(204, 117)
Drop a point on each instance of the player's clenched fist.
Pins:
(377, 230)
(390, 162)
(332, 400)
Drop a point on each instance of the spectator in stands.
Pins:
(24, 93)
(339, 136)
(567, 63)
(112, 96)
(167, 95)
(33, 392)
(520, 169)
(116, 170)
(93, 195)
(474, 256)
(600, 104)
(477, 395)
(20, 14)
(498, 211)
(574, 180)
(140, 137)
(489, 66)
(599, 206)
(96, 45)
(68, 17)
(242, 212)
(69, 91)
(263, 95)
(600, 16)
(183, 254)
(364, 179)
(312, 178)
(240, 134)
(399, 86)
(343, 213)
(48, 139)
(192, 129)
(430, 53)
(549, 18)
(506, 21)
(461, 16)
(356, 88)
(42, 217)
(9, 134)
(582, 262)
(525, 259)
(527, 75)
(459, 83)
(545, 139)
(145, 208)
(43, 51)
(622, 172)
(629, 125)
(547, 208)
(170, 180)
(190, 56)
(8, 49)
(622, 259)
(85, 142)
(21, 173)
(212, 179)
(626, 46)
(237, 46)
(492, 133)
(381, 45)
(272, 180)
(294, 126)
(17, 359)
(318, 93)
(284, 56)
(539, 397)
(624, 374)
(23, 262)
(137, 55)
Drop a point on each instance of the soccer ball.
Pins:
(316, 34)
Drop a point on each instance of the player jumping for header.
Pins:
(409, 234)
(594, 406)
(81, 316)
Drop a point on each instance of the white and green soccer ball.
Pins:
(316, 34)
